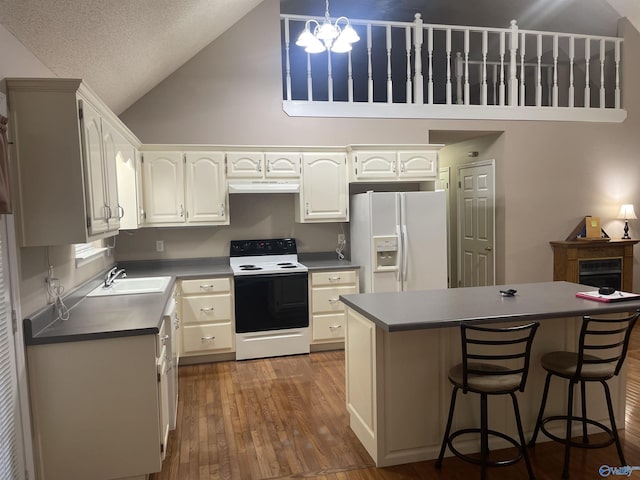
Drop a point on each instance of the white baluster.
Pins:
(448, 35)
(602, 89)
(572, 55)
(389, 82)
(418, 39)
(329, 77)
(502, 52)
(523, 92)
(587, 59)
(617, 54)
(349, 78)
(369, 70)
(407, 37)
(513, 65)
(555, 70)
(494, 81)
(485, 49)
(549, 84)
(309, 81)
(539, 72)
(466, 67)
(430, 73)
(459, 70)
(287, 63)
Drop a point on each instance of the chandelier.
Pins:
(328, 36)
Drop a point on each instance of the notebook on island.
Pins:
(614, 297)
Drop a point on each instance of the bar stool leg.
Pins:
(447, 430)
(484, 435)
(532, 442)
(567, 445)
(612, 419)
(585, 438)
(523, 443)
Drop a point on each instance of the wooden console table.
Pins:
(567, 256)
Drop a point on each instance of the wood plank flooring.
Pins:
(285, 418)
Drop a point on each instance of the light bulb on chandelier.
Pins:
(328, 35)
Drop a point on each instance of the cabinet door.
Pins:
(245, 164)
(375, 165)
(129, 186)
(282, 165)
(96, 194)
(324, 193)
(112, 143)
(418, 164)
(206, 193)
(163, 187)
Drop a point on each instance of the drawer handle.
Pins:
(207, 339)
(206, 286)
(334, 300)
(334, 279)
(207, 309)
(334, 327)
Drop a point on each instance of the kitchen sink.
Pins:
(132, 286)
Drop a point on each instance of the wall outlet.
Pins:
(159, 245)
(341, 238)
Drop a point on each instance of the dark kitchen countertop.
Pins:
(94, 318)
(402, 311)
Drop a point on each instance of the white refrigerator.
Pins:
(399, 240)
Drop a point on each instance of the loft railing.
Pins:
(418, 70)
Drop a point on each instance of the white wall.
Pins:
(550, 174)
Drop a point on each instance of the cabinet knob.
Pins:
(334, 327)
(206, 286)
(222, 209)
(334, 279)
(334, 300)
(120, 212)
(207, 309)
(181, 211)
(207, 339)
(268, 165)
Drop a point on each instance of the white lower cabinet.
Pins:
(327, 311)
(99, 407)
(206, 307)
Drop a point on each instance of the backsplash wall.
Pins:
(252, 216)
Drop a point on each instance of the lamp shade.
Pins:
(626, 212)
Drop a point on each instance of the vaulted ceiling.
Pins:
(125, 48)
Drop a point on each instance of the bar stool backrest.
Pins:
(508, 348)
(600, 343)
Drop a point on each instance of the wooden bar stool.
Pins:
(601, 335)
(495, 361)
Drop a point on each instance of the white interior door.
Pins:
(476, 221)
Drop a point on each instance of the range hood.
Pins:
(264, 186)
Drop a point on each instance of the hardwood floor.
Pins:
(285, 418)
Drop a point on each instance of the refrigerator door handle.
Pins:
(400, 256)
(405, 253)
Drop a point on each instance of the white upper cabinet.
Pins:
(393, 163)
(129, 174)
(184, 188)
(64, 143)
(163, 187)
(324, 194)
(206, 195)
(245, 164)
(282, 165)
(260, 165)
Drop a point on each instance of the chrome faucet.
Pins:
(111, 276)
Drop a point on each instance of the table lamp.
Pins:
(627, 213)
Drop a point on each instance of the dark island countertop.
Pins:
(402, 311)
(93, 318)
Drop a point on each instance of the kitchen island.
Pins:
(400, 347)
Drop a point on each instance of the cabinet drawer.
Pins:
(205, 285)
(328, 327)
(206, 308)
(342, 277)
(327, 299)
(162, 339)
(201, 338)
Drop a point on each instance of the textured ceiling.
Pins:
(123, 48)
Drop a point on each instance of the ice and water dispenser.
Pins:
(385, 250)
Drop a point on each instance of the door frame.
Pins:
(446, 171)
(482, 163)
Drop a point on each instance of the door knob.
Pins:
(488, 249)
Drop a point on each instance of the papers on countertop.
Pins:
(614, 297)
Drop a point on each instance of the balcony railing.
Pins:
(418, 70)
